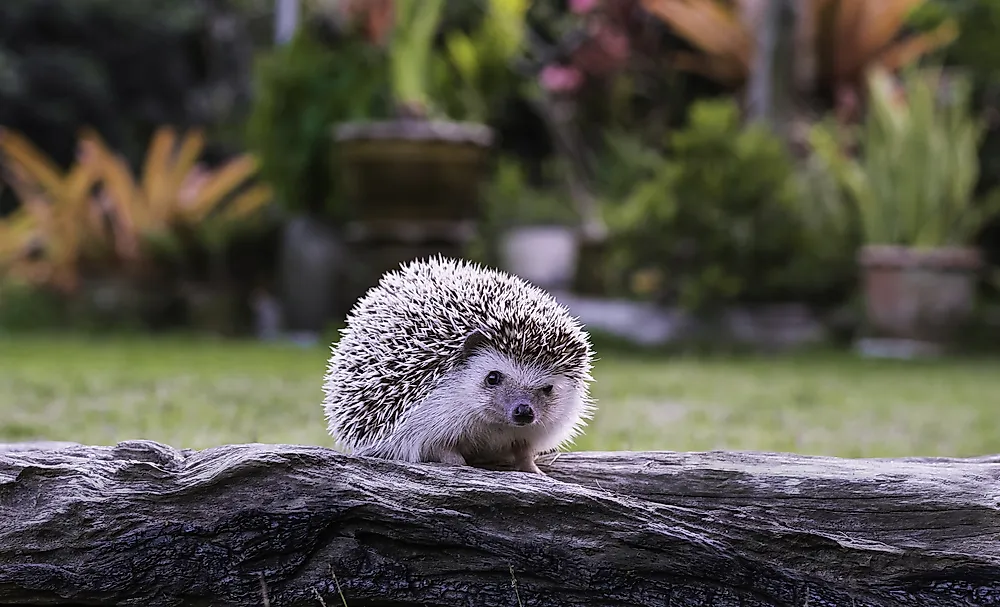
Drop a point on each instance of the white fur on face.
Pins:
(462, 414)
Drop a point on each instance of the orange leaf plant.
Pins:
(838, 41)
(98, 202)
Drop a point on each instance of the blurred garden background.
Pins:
(780, 219)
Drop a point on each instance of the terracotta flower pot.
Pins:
(923, 295)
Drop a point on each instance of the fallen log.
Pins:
(141, 523)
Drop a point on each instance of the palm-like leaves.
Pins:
(416, 22)
(847, 37)
(914, 182)
(52, 203)
(99, 202)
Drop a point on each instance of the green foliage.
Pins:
(720, 218)
(411, 50)
(628, 161)
(511, 200)
(475, 72)
(977, 48)
(26, 308)
(454, 60)
(303, 89)
(914, 182)
(832, 228)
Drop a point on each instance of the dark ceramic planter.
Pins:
(412, 170)
(413, 186)
(920, 295)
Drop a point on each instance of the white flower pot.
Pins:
(545, 255)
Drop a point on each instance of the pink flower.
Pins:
(582, 6)
(561, 79)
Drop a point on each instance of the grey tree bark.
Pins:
(141, 523)
(770, 94)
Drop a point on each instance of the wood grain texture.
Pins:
(141, 523)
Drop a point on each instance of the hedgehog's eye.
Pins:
(493, 378)
(547, 389)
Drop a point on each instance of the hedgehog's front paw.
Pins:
(451, 458)
(530, 467)
(524, 461)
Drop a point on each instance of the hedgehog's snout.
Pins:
(522, 414)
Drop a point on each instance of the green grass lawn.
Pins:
(199, 393)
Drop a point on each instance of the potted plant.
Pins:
(912, 188)
(115, 242)
(536, 228)
(414, 178)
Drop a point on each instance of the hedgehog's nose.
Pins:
(523, 414)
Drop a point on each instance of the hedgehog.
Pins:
(449, 361)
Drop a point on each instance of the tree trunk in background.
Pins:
(770, 93)
(286, 20)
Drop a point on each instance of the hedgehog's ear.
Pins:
(473, 341)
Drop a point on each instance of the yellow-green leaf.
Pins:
(463, 54)
(221, 184)
(248, 202)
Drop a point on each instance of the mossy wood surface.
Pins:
(141, 523)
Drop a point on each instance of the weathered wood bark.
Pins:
(143, 524)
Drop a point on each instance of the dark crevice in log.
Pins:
(143, 524)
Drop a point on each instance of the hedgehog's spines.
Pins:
(409, 331)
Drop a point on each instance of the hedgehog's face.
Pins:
(517, 394)
(521, 395)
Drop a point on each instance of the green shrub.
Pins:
(510, 199)
(303, 89)
(473, 74)
(25, 308)
(721, 219)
